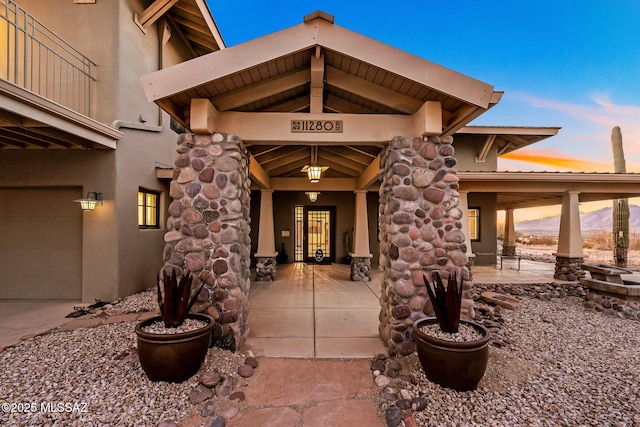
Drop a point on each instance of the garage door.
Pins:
(40, 243)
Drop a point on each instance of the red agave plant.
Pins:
(176, 304)
(446, 304)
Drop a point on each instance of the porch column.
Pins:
(360, 257)
(208, 229)
(266, 255)
(509, 239)
(420, 234)
(570, 256)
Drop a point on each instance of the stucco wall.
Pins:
(118, 257)
(468, 147)
(486, 202)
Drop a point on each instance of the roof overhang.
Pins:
(356, 74)
(517, 190)
(28, 120)
(190, 19)
(317, 71)
(506, 139)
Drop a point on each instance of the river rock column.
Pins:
(420, 232)
(208, 229)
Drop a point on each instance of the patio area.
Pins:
(309, 311)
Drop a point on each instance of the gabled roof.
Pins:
(356, 74)
(190, 19)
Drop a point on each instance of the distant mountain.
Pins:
(591, 222)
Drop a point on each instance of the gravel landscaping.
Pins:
(553, 362)
(563, 365)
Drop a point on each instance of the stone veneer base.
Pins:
(266, 269)
(569, 269)
(360, 269)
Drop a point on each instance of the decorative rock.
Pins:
(393, 416)
(209, 409)
(245, 371)
(199, 394)
(251, 361)
(382, 381)
(215, 421)
(210, 379)
(237, 395)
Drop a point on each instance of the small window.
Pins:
(474, 224)
(148, 216)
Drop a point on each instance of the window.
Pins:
(474, 224)
(148, 216)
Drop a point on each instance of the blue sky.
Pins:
(563, 63)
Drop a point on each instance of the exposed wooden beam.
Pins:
(260, 89)
(152, 13)
(358, 129)
(488, 142)
(289, 106)
(372, 91)
(354, 168)
(339, 105)
(257, 174)
(194, 26)
(285, 159)
(303, 184)
(317, 83)
(370, 175)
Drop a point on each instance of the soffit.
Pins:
(509, 138)
(197, 26)
(28, 121)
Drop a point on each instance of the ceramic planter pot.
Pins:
(456, 365)
(173, 357)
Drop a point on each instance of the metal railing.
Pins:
(36, 59)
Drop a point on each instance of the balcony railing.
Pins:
(36, 59)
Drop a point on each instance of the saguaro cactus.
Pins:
(620, 206)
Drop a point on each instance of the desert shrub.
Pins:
(543, 240)
(602, 240)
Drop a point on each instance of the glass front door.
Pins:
(314, 230)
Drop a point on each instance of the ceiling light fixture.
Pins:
(313, 195)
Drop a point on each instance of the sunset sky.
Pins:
(561, 63)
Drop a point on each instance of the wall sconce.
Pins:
(88, 203)
(313, 195)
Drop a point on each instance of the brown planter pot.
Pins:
(456, 365)
(173, 357)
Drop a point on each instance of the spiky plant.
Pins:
(446, 304)
(176, 304)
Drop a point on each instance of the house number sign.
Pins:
(316, 126)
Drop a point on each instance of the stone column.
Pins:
(464, 207)
(266, 255)
(420, 232)
(208, 229)
(360, 257)
(570, 256)
(509, 239)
